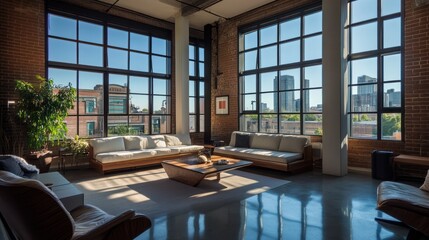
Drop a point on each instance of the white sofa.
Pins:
(121, 152)
(276, 151)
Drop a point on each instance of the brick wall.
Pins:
(416, 137)
(22, 56)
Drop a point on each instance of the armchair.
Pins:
(31, 211)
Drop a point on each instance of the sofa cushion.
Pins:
(234, 134)
(242, 140)
(119, 156)
(172, 140)
(156, 141)
(135, 142)
(160, 151)
(292, 144)
(187, 148)
(266, 141)
(10, 165)
(109, 144)
(260, 154)
(185, 138)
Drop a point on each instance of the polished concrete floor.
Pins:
(312, 206)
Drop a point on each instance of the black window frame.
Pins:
(379, 54)
(198, 79)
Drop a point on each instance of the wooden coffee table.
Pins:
(186, 171)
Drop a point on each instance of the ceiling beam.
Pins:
(196, 6)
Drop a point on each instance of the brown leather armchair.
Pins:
(31, 211)
(406, 203)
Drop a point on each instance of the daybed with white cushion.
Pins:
(114, 153)
(277, 151)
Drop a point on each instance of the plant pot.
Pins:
(42, 160)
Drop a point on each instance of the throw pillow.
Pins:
(172, 140)
(242, 140)
(292, 144)
(156, 141)
(7, 163)
(425, 186)
(134, 142)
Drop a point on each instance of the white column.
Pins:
(335, 93)
(181, 44)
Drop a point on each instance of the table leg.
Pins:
(218, 176)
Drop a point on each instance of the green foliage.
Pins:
(318, 131)
(391, 123)
(77, 145)
(43, 108)
(291, 117)
(122, 130)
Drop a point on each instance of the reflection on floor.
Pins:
(313, 206)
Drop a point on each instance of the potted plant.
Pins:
(77, 147)
(42, 108)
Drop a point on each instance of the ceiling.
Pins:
(168, 9)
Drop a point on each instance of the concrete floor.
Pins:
(312, 206)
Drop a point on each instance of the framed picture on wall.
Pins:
(222, 105)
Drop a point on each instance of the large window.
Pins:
(280, 74)
(122, 76)
(375, 61)
(196, 88)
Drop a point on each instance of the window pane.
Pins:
(192, 68)
(139, 42)
(90, 55)
(139, 84)
(91, 93)
(313, 76)
(139, 125)
(192, 105)
(312, 100)
(90, 32)
(71, 123)
(250, 60)
(290, 29)
(161, 124)
(192, 123)
(268, 57)
(249, 102)
(201, 52)
(118, 83)
(392, 33)
(139, 103)
(390, 6)
(392, 94)
(62, 51)
(201, 69)
(391, 126)
(161, 86)
(139, 62)
(268, 123)
(268, 35)
(267, 103)
(313, 47)
(250, 40)
(364, 98)
(248, 83)
(313, 23)
(117, 103)
(363, 10)
(161, 105)
(91, 126)
(202, 106)
(117, 126)
(117, 58)
(290, 52)
(290, 79)
(201, 89)
(268, 82)
(249, 123)
(159, 46)
(364, 126)
(63, 77)
(364, 70)
(392, 67)
(61, 26)
(202, 123)
(117, 38)
(290, 101)
(313, 124)
(364, 37)
(191, 52)
(159, 65)
(192, 88)
(290, 123)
